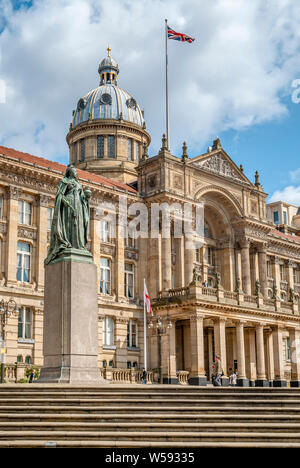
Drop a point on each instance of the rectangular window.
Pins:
(100, 147)
(129, 280)
(111, 150)
(82, 150)
(129, 149)
(198, 258)
(284, 217)
(24, 212)
(132, 334)
(105, 231)
(23, 262)
(210, 256)
(49, 218)
(104, 275)
(269, 269)
(129, 238)
(275, 217)
(25, 323)
(108, 331)
(282, 273)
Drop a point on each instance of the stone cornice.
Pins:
(228, 308)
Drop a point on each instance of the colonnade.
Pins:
(254, 349)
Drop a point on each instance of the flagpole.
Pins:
(145, 332)
(167, 90)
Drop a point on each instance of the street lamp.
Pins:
(6, 310)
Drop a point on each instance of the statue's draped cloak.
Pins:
(70, 224)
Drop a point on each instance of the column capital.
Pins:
(12, 192)
(42, 200)
(219, 319)
(196, 318)
(244, 242)
(262, 247)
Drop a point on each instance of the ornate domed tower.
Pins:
(108, 132)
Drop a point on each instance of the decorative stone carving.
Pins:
(131, 255)
(27, 233)
(177, 182)
(219, 165)
(13, 192)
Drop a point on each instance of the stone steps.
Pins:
(155, 403)
(155, 436)
(148, 416)
(162, 426)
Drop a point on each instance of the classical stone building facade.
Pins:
(235, 295)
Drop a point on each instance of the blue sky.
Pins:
(234, 81)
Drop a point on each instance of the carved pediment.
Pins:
(220, 165)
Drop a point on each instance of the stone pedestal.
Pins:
(71, 322)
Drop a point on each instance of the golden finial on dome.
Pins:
(108, 51)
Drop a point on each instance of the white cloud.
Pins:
(290, 194)
(244, 58)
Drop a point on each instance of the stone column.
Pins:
(154, 267)
(290, 276)
(166, 263)
(228, 277)
(242, 380)
(262, 264)
(295, 357)
(254, 269)
(189, 259)
(276, 273)
(210, 352)
(180, 266)
(279, 380)
(270, 356)
(220, 345)
(171, 377)
(197, 374)
(42, 204)
(245, 259)
(238, 267)
(252, 357)
(12, 195)
(261, 380)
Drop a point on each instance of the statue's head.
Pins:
(71, 172)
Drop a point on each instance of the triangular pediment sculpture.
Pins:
(220, 164)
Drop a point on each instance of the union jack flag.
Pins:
(179, 36)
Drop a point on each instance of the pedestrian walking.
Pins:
(232, 379)
(144, 376)
(31, 376)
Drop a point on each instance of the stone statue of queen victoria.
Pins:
(70, 224)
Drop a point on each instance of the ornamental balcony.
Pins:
(201, 295)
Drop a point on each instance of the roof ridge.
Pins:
(11, 152)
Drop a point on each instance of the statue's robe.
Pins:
(70, 224)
